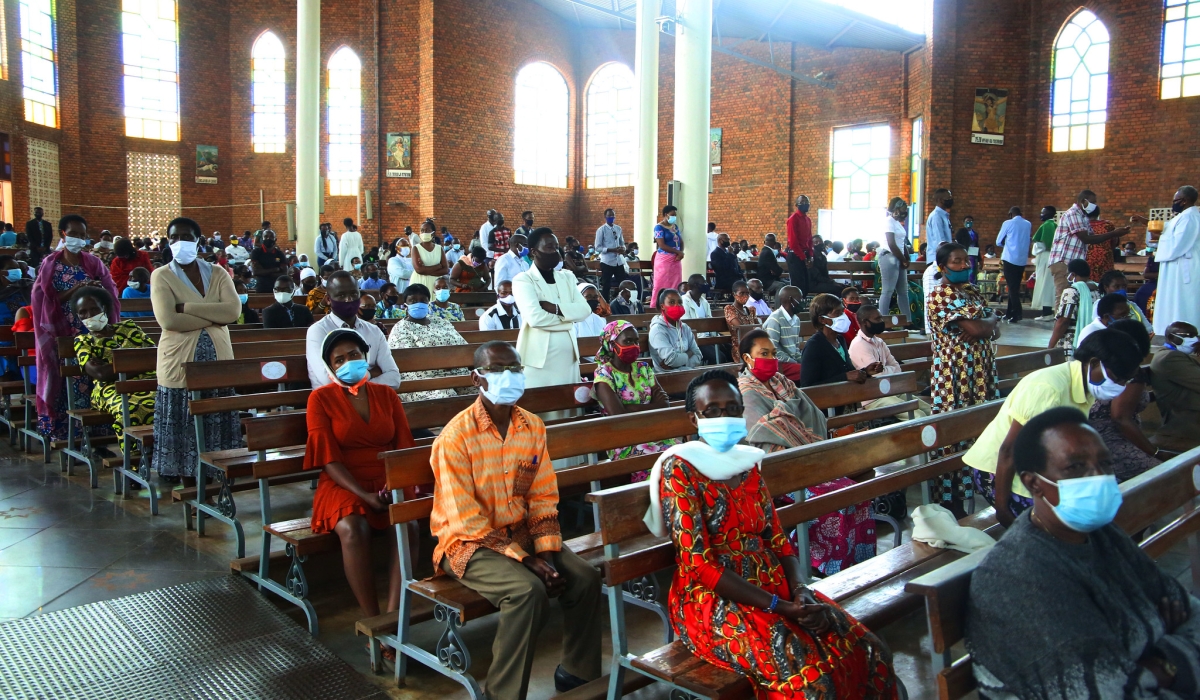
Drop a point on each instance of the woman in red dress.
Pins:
(1100, 255)
(350, 421)
(737, 599)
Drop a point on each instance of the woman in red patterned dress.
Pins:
(1100, 255)
(737, 598)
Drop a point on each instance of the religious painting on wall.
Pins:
(714, 150)
(206, 165)
(399, 155)
(987, 119)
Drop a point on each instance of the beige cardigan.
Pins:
(181, 331)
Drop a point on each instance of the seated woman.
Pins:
(1066, 605)
(442, 307)
(625, 384)
(672, 343)
(1117, 420)
(470, 272)
(593, 325)
(826, 355)
(94, 308)
(137, 287)
(420, 328)
(779, 416)
(248, 314)
(735, 563)
(350, 421)
(389, 306)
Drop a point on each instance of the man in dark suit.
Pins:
(725, 266)
(285, 313)
(40, 233)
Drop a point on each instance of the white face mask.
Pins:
(183, 252)
(283, 297)
(510, 299)
(97, 322)
(74, 244)
(841, 324)
(404, 251)
(1188, 345)
(1089, 208)
(426, 237)
(1106, 390)
(134, 284)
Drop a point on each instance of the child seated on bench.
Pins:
(1066, 605)
(738, 599)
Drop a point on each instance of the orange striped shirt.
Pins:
(490, 492)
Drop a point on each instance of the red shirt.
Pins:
(799, 234)
(120, 268)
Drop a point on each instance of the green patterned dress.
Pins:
(89, 347)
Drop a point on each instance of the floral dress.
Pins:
(88, 347)
(65, 276)
(1128, 459)
(633, 389)
(1100, 255)
(437, 333)
(963, 372)
(452, 312)
(717, 527)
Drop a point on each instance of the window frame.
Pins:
(1174, 80)
(40, 105)
(545, 155)
(150, 77)
(343, 183)
(1074, 129)
(619, 175)
(274, 111)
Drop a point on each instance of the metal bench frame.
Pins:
(125, 472)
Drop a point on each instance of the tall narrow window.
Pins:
(1181, 49)
(542, 114)
(1080, 93)
(918, 178)
(39, 62)
(4, 43)
(344, 102)
(859, 174)
(150, 45)
(610, 100)
(269, 93)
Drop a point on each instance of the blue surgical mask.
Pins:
(458, 246)
(721, 433)
(1122, 292)
(243, 298)
(957, 276)
(525, 252)
(503, 388)
(357, 266)
(353, 371)
(672, 219)
(418, 310)
(610, 220)
(1088, 503)
(442, 295)
(14, 275)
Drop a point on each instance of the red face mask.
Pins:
(628, 353)
(674, 313)
(764, 368)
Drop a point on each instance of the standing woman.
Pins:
(668, 268)
(964, 359)
(893, 263)
(550, 304)
(1100, 255)
(194, 306)
(62, 273)
(429, 260)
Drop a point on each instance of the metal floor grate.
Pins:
(209, 639)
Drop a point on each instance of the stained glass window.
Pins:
(268, 95)
(610, 128)
(344, 103)
(150, 45)
(540, 146)
(1080, 94)
(39, 61)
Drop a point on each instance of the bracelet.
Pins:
(774, 602)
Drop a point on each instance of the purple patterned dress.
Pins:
(65, 276)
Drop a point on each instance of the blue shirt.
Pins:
(937, 232)
(370, 285)
(129, 293)
(8, 239)
(1014, 237)
(669, 238)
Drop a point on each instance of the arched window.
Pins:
(268, 94)
(1181, 49)
(39, 61)
(1080, 92)
(610, 100)
(542, 122)
(344, 102)
(150, 46)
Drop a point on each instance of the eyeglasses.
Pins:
(719, 412)
(490, 369)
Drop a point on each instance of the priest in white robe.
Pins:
(1177, 298)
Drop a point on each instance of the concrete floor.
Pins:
(63, 544)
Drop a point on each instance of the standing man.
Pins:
(725, 266)
(512, 263)
(526, 226)
(1176, 300)
(800, 244)
(40, 233)
(1043, 289)
(267, 262)
(937, 232)
(327, 246)
(1073, 236)
(610, 244)
(711, 240)
(497, 238)
(351, 245)
(1014, 238)
(487, 227)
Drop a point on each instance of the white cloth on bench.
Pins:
(936, 527)
(717, 466)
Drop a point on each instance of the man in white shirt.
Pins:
(453, 253)
(593, 325)
(712, 240)
(236, 253)
(758, 298)
(1178, 264)
(838, 254)
(511, 264)
(868, 349)
(487, 227)
(610, 245)
(695, 305)
(504, 314)
(350, 246)
(1111, 307)
(344, 302)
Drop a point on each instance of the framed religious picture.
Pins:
(206, 165)
(399, 155)
(987, 117)
(714, 150)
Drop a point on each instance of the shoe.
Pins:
(1047, 317)
(564, 681)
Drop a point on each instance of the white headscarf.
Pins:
(717, 466)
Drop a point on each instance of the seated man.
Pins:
(1098, 618)
(344, 304)
(758, 298)
(504, 314)
(138, 287)
(1111, 307)
(866, 349)
(285, 312)
(695, 305)
(371, 281)
(499, 534)
(1175, 376)
(783, 327)
(626, 302)
(740, 316)
(1115, 282)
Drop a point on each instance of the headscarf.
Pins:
(603, 310)
(332, 339)
(608, 340)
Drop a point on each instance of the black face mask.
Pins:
(367, 314)
(374, 275)
(876, 328)
(392, 301)
(528, 223)
(594, 303)
(1045, 217)
(948, 203)
(756, 296)
(802, 208)
(547, 261)
(1178, 207)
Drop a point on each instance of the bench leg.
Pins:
(452, 651)
(644, 594)
(620, 642)
(897, 537)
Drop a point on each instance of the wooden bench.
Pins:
(1014, 367)
(127, 363)
(1146, 498)
(81, 444)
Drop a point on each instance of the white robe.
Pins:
(1179, 266)
(1043, 289)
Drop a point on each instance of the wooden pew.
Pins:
(1011, 368)
(1146, 498)
(80, 420)
(258, 302)
(128, 363)
(25, 343)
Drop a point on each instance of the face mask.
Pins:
(1176, 207)
(344, 309)
(1091, 207)
(1186, 346)
(841, 324)
(404, 252)
(476, 263)
(528, 223)
(503, 388)
(97, 322)
(970, 224)
(426, 237)
(594, 304)
(803, 208)
(1106, 390)
(756, 296)
(357, 266)
(366, 313)
(104, 245)
(74, 244)
(948, 203)
(957, 276)
(243, 298)
(628, 353)
(763, 368)
(510, 299)
(558, 266)
(183, 252)
(1044, 216)
(853, 307)
(14, 275)
(1088, 503)
(674, 313)
(353, 371)
(419, 310)
(633, 252)
(876, 328)
(283, 297)
(442, 295)
(672, 219)
(721, 433)
(626, 295)
(610, 220)
(1122, 292)
(524, 253)
(458, 246)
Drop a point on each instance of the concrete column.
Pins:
(645, 186)
(308, 124)
(693, 92)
